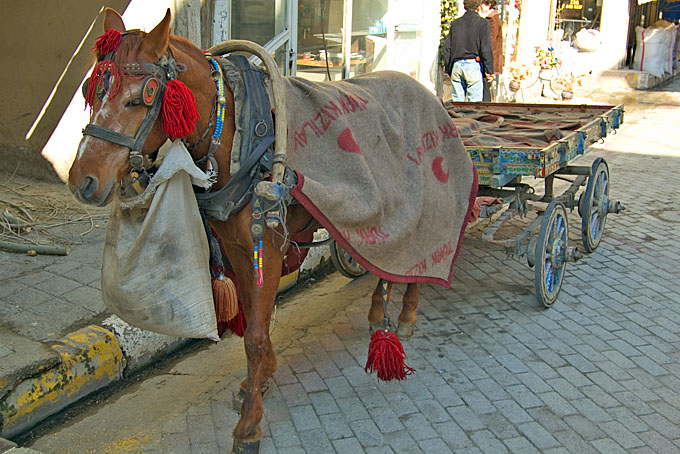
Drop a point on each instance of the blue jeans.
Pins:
(466, 81)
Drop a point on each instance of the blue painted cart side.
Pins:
(497, 166)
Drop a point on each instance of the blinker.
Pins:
(149, 91)
(84, 87)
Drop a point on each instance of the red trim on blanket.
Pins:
(335, 233)
(468, 217)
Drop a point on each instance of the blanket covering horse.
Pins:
(382, 167)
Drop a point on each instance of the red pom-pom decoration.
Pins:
(386, 357)
(108, 42)
(97, 79)
(178, 112)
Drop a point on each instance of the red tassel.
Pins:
(108, 42)
(238, 325)
(225, 297)
(386, 357)
(178, 112)
(96, 79)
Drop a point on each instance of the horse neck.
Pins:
(198, 78)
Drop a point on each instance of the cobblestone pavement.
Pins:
(47, 296)
(596, 373)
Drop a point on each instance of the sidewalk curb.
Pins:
(91, 358)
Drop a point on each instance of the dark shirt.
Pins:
(469, 38)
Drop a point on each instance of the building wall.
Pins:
(41, 49)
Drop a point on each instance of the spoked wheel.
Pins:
(345, 263)
(551, 253)
(594, 205)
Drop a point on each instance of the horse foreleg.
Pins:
(259, 353)
(407, 317)
(375, 314)
(258, 347)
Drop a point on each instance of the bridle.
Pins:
(157, 74)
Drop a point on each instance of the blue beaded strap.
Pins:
(221, 100)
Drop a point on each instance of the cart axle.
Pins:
(573, 254)
(615, 207)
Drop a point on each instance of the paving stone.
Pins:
(367, 433)
(336, 426)
(324, 403)
(432, 411)
(304, 418)
(540, 437)
(385, 419)
(347, 446)
(521, 444)
(624, 437)
(512, 411)
(339, 387)
(608, 446)
(402, 443)
(315, 441)
(662, 425)
(434, 446)
(466, 418)
(487, 442)
(352, 409)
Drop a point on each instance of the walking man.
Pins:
(467, 50)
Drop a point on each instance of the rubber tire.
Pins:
(344, 263)
(555, 216)
(595, 210)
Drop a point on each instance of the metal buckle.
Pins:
(261, 129)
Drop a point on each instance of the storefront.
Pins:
(308, 37)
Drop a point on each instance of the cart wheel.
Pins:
(345, 263)
(551, 253)
(594, 205)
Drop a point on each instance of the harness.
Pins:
(252, 156)
(157, 74)
(253, 151)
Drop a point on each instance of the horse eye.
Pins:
(134, 102)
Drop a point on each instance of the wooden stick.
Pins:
(38, 248)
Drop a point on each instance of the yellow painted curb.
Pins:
(90, 359)
(288, 281)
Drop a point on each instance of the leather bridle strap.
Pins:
(135, 143)
(164, 69)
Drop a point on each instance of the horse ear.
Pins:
(113, 21)
(157, 40)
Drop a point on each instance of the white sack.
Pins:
(651, 52)
(155, 272)
(587, 40)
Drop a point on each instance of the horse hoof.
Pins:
(405, 330)
(246, 447)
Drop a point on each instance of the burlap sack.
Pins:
(155, 272)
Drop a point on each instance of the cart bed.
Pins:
(509, 140)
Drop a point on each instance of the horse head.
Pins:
(144, 89)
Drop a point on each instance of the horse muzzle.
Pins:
(87, 192)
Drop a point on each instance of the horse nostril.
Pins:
(88, 187)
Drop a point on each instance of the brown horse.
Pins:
(103, 161)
